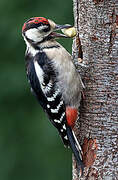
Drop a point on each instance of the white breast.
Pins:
(69, 81)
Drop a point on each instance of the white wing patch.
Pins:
(39, 73)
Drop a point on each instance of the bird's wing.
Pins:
(44, 87)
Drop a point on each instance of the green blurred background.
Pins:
(30, 147)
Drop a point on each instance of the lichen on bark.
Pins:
(97, 25)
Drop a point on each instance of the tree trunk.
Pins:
(96, 45)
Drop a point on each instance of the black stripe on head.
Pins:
(32, 25)
(35, 23)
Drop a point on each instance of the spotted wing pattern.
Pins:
(42, 78)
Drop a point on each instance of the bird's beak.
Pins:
(60, 27)
(65, 26)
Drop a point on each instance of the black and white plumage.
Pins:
(53, 78)
(43, 84)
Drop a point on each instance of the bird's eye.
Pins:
(46, 29)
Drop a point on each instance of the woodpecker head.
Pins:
(39, 29)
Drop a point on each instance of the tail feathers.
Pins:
(77, 145)
(74, 144)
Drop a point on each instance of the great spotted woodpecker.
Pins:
(53, 78)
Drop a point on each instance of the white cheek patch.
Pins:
(33, 34)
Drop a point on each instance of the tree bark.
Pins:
(97, 46)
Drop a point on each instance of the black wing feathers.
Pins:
(35, 85)
(48, 99)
